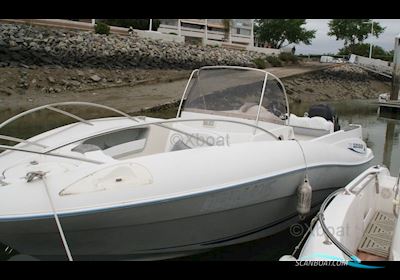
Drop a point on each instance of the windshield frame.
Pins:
(262, 94)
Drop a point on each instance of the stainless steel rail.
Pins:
(6, 148)
(68, 114)
(18, 140)
(139, 124)
(51, 107)
(184, 92)
(161, 123)
(262, 97)
(353, 184)
(347, 190)
(325, 229)
(158, 123)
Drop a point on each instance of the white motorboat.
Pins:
(228, 169)
(361, 223)
(385, 97)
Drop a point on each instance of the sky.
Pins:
(322, 43)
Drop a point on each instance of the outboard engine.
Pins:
(325, 111)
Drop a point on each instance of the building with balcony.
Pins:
(233, 32)
(198, 31)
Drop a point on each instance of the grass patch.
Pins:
(274, 61)
(260, 63)
(288, 57)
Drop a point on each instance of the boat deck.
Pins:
(377, 239)
(389, 109)
(369, 257)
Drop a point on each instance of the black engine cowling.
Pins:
(325, 111)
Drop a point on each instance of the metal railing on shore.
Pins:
(378, 66)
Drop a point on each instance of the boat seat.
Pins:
(92, 151)
(251, 110)
(84, 148)
(313, 122)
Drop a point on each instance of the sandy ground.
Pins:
(125, 89)
(128, 91)
(135, 90)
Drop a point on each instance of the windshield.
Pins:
(236, 92)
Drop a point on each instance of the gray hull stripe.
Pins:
(117, 207)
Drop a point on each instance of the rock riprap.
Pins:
(40, 46)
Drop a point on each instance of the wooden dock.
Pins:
(390, 109)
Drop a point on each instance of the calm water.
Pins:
(381, 135)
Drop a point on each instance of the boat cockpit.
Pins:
(221, 105)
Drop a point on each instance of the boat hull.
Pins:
(176, 227)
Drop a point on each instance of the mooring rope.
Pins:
(41, 175)
(312, 223)
(304, 158)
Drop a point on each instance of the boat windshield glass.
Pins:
(236, 92)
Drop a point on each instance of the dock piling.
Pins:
(391, 108)
(396, 70)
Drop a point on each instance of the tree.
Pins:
(281, 32)
(353, 31)
(227, 28)
(390, 55)
(102, 28)
(363, 50)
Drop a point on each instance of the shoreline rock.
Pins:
(40, 46)
(336, 83)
